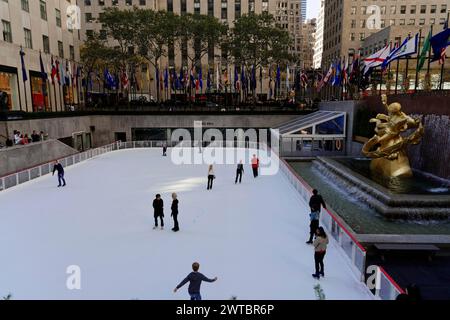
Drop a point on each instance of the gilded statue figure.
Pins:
(387, 147)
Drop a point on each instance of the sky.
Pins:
(313, 8)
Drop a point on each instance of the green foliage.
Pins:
(256, 40)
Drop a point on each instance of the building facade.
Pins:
(38, 27)
(307, 44)
(318, 44)
(348, 23)
(288, 15)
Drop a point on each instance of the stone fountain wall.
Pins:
(432, 155)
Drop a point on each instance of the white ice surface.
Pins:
(252, 236)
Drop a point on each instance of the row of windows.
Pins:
(116, 2)
(8, 37)
(413, 9)
(400, 22)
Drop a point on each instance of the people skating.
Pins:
(239, 172)
(158, 206)
(195, 279)
(174, 214)
(320, 249)
(164, 149)
(255, 165)
(58, 167)
(315, 203)
(211, 177)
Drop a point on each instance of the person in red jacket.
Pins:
(255, 165)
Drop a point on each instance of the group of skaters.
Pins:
(239, 172)
(158, 207)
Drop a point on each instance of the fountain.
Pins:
(385, 179)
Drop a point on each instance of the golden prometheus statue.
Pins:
(387, 147)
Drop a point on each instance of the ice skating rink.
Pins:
(251, 236)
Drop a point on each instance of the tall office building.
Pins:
(318, 44)
(36, 26)
(288, 15)
(303, 9)
(307, 44)
(348, 23)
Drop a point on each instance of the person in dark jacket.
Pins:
(158, 206)
(35, 137)
(58, 167)
(195, 279)
(164, 149)
(174, 214)
(239, 172)
(315, 203)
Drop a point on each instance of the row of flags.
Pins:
(63, 73)
(343, 71)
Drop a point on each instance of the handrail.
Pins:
(392, 281)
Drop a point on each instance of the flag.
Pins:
(24, 71)
(377, 59)
(439, 44)
(337, 75)
(208, 80)
(62, 76)
(166, 79)
(304, 79)
(423, 54)
(278, 78)
(125, 79)
(407, 48)
(200, 79)
(217, 78)
(68, 73)
(236, 79)
(43, 73)
(181, 78)
(243, 78)
(288, 76)
(345, 70)
(109, 79)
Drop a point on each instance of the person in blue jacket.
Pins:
(195, 279)
(58, 167)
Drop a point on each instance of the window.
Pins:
(443, 8)
(28, 39)
(25, 5)
(433, 8)
(170, 5)
(224, 9)
(353, 24)
(413, 10)
(393, 9)
(237, 8)
(210, 7)
(129, 2)
(43, 7)
(142, 2)
(60, 49)
(88, 17)
(7, 34)
(72, 52)
(101, 2)
(423, 9)
(402, 22)
(422, 22)
(251, 6)
(412, 22)
(183, 6)
(46, 44)
(87, 2)
(58, 18)
(89, 34)
(197, 6)
(403, 9)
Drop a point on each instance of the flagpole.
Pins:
(23, 78)
(417, 64)
(429, 52)
(441, 83)
(396, 75)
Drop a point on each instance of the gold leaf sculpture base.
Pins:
(398, 168)
(387, 147)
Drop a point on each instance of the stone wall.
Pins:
(21, 157)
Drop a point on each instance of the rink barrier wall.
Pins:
(388, 289)
(16, 178)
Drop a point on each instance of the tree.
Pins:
(95, 55)
(154, 33)
(256, 41)
(199, 32)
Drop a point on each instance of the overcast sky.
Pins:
(313, 8)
